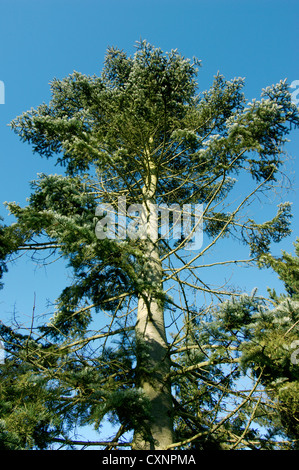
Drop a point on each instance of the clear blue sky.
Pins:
(43, 39)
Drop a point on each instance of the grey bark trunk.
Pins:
(153, 362)
(153, 365)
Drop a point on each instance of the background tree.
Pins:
(140, 130)
(275, 346)
(245, 336)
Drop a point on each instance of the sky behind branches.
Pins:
(40, 40)
(43, 39)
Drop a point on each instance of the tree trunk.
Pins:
(153, 365)
(153, 361)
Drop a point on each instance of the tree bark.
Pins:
(153, 360)
(153, 364)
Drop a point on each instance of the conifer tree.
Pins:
(139, 131)
(257, 335)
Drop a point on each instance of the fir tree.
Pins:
(246, 335)
(141, 131)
